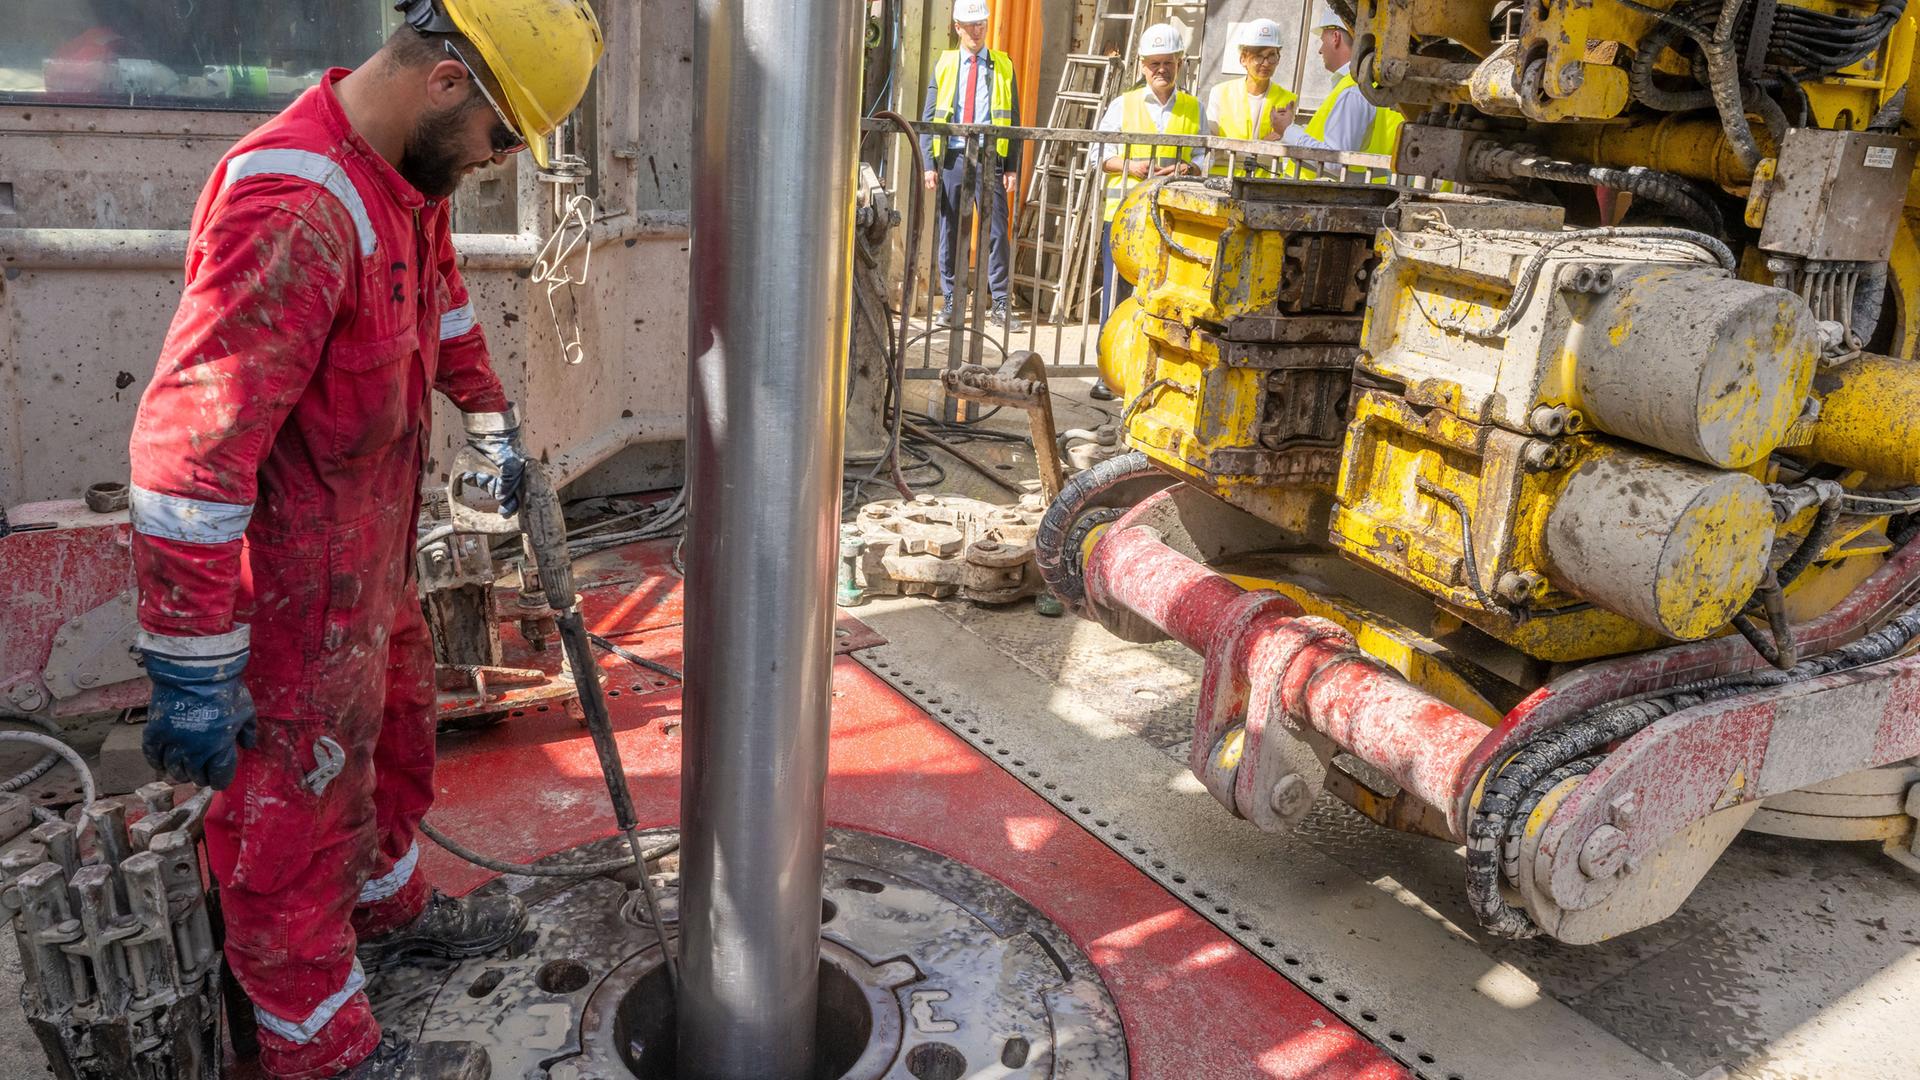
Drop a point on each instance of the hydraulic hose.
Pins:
(1518, 783)
(58, 748)
(1054, 553)
(47, 761)
(1723, 79)
(897, 390)
(550, 870)
(1666, 189)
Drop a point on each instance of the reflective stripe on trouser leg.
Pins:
(290, 865)
(302, 1031)
(386, 885)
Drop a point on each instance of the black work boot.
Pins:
(399, 1058)
(450, 929)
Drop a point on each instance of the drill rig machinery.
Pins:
(1565, 515)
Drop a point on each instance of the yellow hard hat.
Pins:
(540, 52)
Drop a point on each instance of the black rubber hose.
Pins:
(1723, 78)
(1532, 768)
(1470, 561)
(897, 363)
(1641, 73)
(1057, 559)
(1869, 300)
(1819, 535)
(1666, 189)
(552, 870)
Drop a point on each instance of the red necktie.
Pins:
(973, 81)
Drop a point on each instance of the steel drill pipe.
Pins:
(1423, 743)
(769, 303)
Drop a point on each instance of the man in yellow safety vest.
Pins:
(1346, 120)
(1254, 107)
(1153, 106)
(973, 85)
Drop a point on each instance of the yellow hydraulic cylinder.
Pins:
(1692, 146)
(1867, 412)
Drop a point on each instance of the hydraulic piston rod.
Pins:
(771, 269)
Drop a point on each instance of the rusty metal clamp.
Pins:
(328, 760)
(1021, 382)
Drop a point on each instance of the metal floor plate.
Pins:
(1790, 961)
(958, 970)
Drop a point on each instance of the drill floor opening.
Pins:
(930, 970)
(644, 1023)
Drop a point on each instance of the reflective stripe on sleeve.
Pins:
(306, 165)
(193, 521)
(456, 322)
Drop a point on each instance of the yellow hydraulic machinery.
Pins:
(1565, 515)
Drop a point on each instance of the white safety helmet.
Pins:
(1324, 16)
(970, 11)
(1161, 39)
(1258, 34)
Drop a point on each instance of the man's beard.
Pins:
(431, 160)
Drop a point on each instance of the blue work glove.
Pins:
(496, 437)
(200, 713)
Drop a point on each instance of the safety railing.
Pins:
(1053, 236)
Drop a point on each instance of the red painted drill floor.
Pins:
(1195, 1005)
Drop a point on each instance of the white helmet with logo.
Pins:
(1161, 39)
(1258, 34)
(1324, 17)
(970, 11)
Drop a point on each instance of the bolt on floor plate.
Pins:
(930, 969)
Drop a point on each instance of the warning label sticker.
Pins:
(1881, 157)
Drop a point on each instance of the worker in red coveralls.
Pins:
(277, 462)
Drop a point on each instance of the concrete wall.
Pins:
(81, 324)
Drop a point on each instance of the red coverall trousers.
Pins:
(277, 463)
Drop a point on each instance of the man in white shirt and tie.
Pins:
(973, 85)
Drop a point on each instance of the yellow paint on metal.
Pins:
(1123, 353)
(1867, 415)
(1217, 267)
(1849, 98)
(1226, 756)
(1824, 585)
(1705, 562)
(1690, 145)
(1569, 635)
(1904, 265)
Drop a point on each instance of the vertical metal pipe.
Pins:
(776, 119)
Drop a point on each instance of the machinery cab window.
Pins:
(190, 54)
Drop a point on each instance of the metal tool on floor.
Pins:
(545, 526)
(1020, 383)
(121, 973)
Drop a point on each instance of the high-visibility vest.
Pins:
(946, 93)
(1382, 137)
(1183, 120)
(1227, 108)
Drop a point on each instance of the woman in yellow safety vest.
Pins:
(1346, 120)
(1255, 107)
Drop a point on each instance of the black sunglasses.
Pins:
(504, 139)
